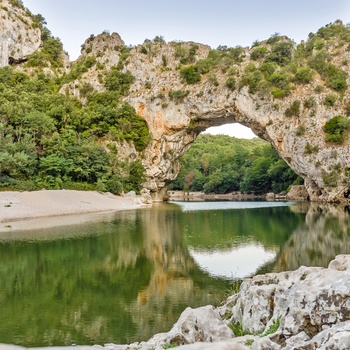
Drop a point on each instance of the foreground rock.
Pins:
(304, 309)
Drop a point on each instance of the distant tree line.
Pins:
(223, 164)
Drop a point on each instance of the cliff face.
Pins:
(19, 36)
(177, 108)
(284, 92)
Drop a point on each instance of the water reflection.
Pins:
(236, 263)
(125, 276)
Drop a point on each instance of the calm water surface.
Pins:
(124, 276)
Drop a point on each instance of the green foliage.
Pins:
(335, 77)
(258, 53)
(178, 95)
(330, 100)
(310, 102)
(186, 54)
(331, 178)
(223, 58)
(222, 164)
(336, 129)
(304, 75)
(293, 109)
(252, 78)
(144, 50)
(237, 329)
(301, 130)
(273, 328)
(51, 52)
(190, 74)
(280, 84)
(309, 149)
(231, 83)
(79, 67)
(118, 81)
(281, 53)
(159, 39)
(48, 139)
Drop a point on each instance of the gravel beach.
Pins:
(16, 206)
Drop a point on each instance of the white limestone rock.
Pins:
(305, 302)
(224, 345)
(203, 324)
(18, 36)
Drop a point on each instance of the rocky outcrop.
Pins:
(297, 193)
(19, 35)
(177, 111)
(308, 308)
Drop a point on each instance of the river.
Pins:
(124, 276)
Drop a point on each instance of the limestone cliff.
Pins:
(178, 106)
(19, 35)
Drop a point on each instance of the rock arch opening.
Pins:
(223, 166)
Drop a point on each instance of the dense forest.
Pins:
(52, 139)
(223, 164)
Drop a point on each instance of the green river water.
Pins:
(122, 277)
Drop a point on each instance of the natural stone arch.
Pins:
(174, 131)
(299, 139)
(176, 110)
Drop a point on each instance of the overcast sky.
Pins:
(218, 22)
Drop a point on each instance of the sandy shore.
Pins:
(16, 206)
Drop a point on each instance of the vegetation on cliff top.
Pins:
(277, 65)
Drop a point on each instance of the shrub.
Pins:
(330, 100)
(335, 77)
(303, 75)
(231, 83)
(347, 109)
(301, 130)
(118, 81)
(254, 81)
(159, 39)
(336, 129)
(281, 53)
(178, 95)
(144, 50)
(212, 79)
(258, 53)
(319, 89)
(280, 81)
(185, 54)
(309, 149)
(190, 74)
(293, 109)
(310, 102)
(268, 68)
(205, 65)
(330, 179)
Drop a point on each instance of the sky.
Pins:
(219, 22)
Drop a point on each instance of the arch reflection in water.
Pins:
(236, 263)
(129, 275)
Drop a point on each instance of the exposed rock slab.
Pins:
(18, 36)
(306, 305)
(297, 193)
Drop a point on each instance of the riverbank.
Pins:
(18, 206)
